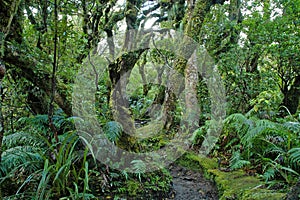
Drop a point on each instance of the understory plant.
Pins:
(35, 166)
(270, 147)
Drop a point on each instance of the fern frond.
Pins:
(237, 162)
(27, 157)
(292, 126)
(139, 168)
(261, 130)
(113, 130)
(238, 122)
(22, 138)
(269, 174)
(294, 155)
(272, 148)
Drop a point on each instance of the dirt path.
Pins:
(191, 185)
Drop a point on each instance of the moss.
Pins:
(133, 187)
(257, 194)
(231, 185)
(188, 162)
(198, 163)
(149, 130)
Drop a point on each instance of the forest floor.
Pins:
(191, 185)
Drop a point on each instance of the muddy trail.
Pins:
(191, 185)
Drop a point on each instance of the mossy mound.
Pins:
(233, 184)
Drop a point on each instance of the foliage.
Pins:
(52, 169)
(271, 145)
(113, 130)
(255, 45)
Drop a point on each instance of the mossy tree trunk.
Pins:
(11, 20)
(118, 73)
(192, 23)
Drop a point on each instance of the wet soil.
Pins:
(191, 185)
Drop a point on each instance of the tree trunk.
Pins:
(11, 18)
(292, 96)
(119, 72)
(191, 100)
(193, 21)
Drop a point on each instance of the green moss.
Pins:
(196, 162)
(257, 194)
(205, 162)
(231, 185)
(133, 187)
(188, 162)
(150, 130)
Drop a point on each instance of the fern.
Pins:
(292, 126)
(273, 148)
(261, 126)
(237, 162)
(273, 145)
(113, 130)
(262, 130)
(40, 123)
(51, 169)
(139, 168)
(26, 157)
(269, 174)
(237, 122)
(294, 157)
(23, 138)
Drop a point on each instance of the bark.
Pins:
(118, 73)
(53, 76)
(146, 87)
(26, 68)
(11, 19)
(191, 100)
(193, 22)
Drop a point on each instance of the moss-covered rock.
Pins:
(256, 194)
(198, 163)
(231, 185)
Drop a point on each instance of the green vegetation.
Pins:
(87, 79)
(232, 184)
